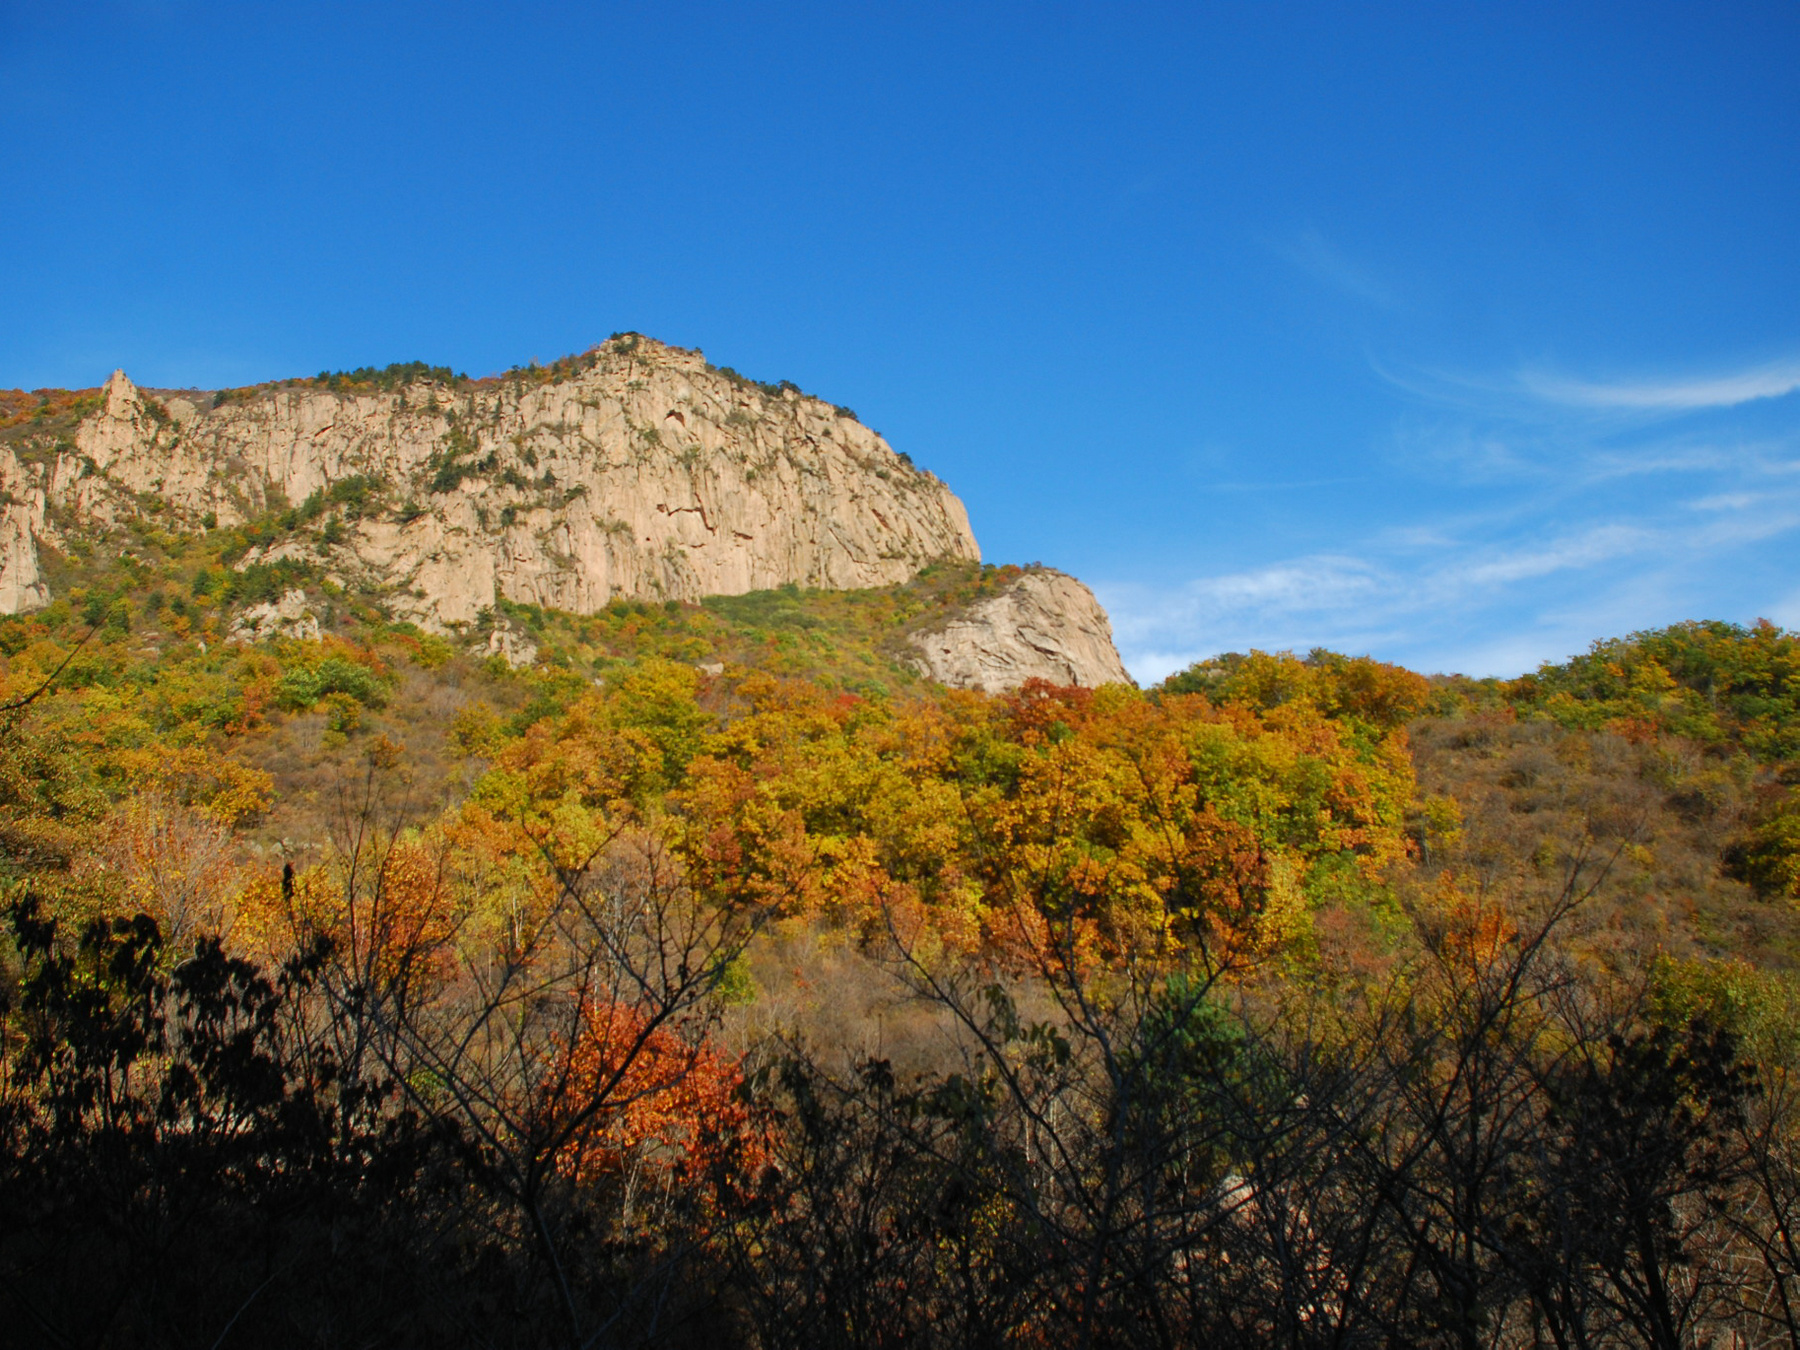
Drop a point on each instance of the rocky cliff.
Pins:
(1045, 625)
(22, 523)
(635, 471)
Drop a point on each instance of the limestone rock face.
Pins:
(1045, 625)
(511, 645)
(289, 617)
(22, 524)
(636, 471)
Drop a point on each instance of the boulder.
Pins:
(290, 617)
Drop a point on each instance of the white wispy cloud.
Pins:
(1539, 396)
(1542, 440)
(1667, 395)
(1304, 584)
(1641, 461)
(1440, 445)
(1771, 516)
(1301, 585)
(1424, 599)
(1596, 544)
(1726, 501)
(1541, 512)
(1317, 256)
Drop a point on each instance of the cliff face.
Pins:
(637, 471)
(1046, 626)
(22, 524)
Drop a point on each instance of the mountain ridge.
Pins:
(636, 470)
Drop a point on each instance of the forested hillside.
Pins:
(715, 980)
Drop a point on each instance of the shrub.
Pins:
(260, 582)
(389, 377)
(358, 494)
(304, 686)
(1768, 861)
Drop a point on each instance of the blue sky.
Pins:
(1457, 334)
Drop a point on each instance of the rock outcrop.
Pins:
(511, 645)
(1045, 625)
(290, 617)
(635, 471)
(22, 524)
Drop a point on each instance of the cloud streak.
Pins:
(1537, 396)
(1597, 544)
(1316, 255)
(1540, 512)
(1437, 599)
(1671, 396)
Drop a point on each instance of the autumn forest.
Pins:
(715, 980)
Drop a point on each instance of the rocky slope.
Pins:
(635, 471)
(1046, 625)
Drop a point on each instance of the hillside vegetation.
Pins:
(714, 979)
